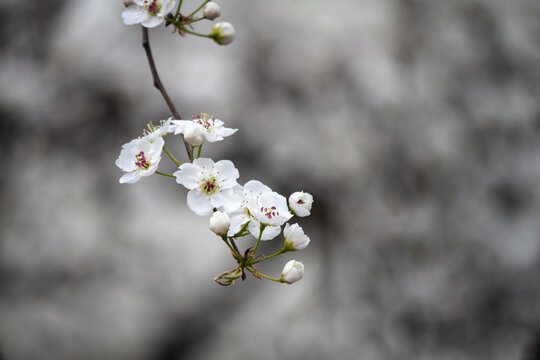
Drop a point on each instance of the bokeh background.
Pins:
(414, 123)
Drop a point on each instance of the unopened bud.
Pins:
(300, 202)
(223, 33)
(219, 223)
(211, 10)
(292, 272)
(194, 134)
(295, 239)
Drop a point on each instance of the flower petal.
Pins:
(199, 202)
(130, 178)
(269, 232)
(152, 21)
(133, 15)
(226, 174)
(188, 175)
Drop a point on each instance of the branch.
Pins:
(157, 82)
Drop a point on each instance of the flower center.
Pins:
(205, 120)
(209, 186)
(269, 212)
(153, 7)
(141, 162)
(300, 202)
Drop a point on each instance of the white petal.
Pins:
(152, 21)
(130, 178)
(167, 7)
(269, 232)
(199, 202)
(226, 199)
(255, 187)
(179, 126)
(224, 132)
(134, 15)
(238, 219)
(132, 143)
(189, 175)
(227, 174)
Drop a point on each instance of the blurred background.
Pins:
(414, 123)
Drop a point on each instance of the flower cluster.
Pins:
(236, 210)
(152, 13)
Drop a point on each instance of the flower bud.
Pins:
(211, 10)
(194, 134)
(300, 203)
(295, 239)
(219, 223)
(292, 272)
(223, 33)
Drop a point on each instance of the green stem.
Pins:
(224, 237)
(199, 8)
(259, 238)
(265, 276)
(171, 156)
(178, 9)
(197, 34)
(191, 157)
(165, 174)
(193, 20)
(268, 257)
(199, 152)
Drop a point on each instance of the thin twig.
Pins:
(157, 82)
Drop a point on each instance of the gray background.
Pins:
(415, 125)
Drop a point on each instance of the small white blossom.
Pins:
(148, 13)
(213, 129)
(194, 134)
(223, 33)
(268, 207)
(250, 193)
(219, 223)
(138, 158)
(292, 272)
(210, 185)
(295, 239)
(300, 202)
(211, 10)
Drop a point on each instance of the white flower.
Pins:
(249, 193)
(213, 128)
(295, 239)
(268, 207)
(223, 33)
(211, 10)
(194, 134)
(152, 132)
(300, 202)
(148, 13)
(210, 184)
(292, 272)
(138, 158)
(219, 223)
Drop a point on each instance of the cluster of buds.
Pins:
(152, 13)
(235, 210)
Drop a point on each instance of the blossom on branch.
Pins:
(139, 158)
(295, 239)
(148, 13)
(300, 203)
(213, 129)
(292, 272)
(210, 185)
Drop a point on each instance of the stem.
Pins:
(265, 276)
(178, 9)
(165, 174)
(237, 252)
(194, 20)
(199, 8)
(262, 226)
(157, 82)
(197, 34)
(199, 152)
(171, 156)
(268, 257)
(191, 157)
(224, 237)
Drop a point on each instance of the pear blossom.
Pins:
(151, 133)
(219, 223)
(140, 158)
(292, 271)
(210, 185)
(148, 13)
(295, 239)
(223, 33)
(300, 203)
(213, 129)
(211, 10)
(194, 134)
(244, 216)
(268, 207)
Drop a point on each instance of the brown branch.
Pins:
(157, 82)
